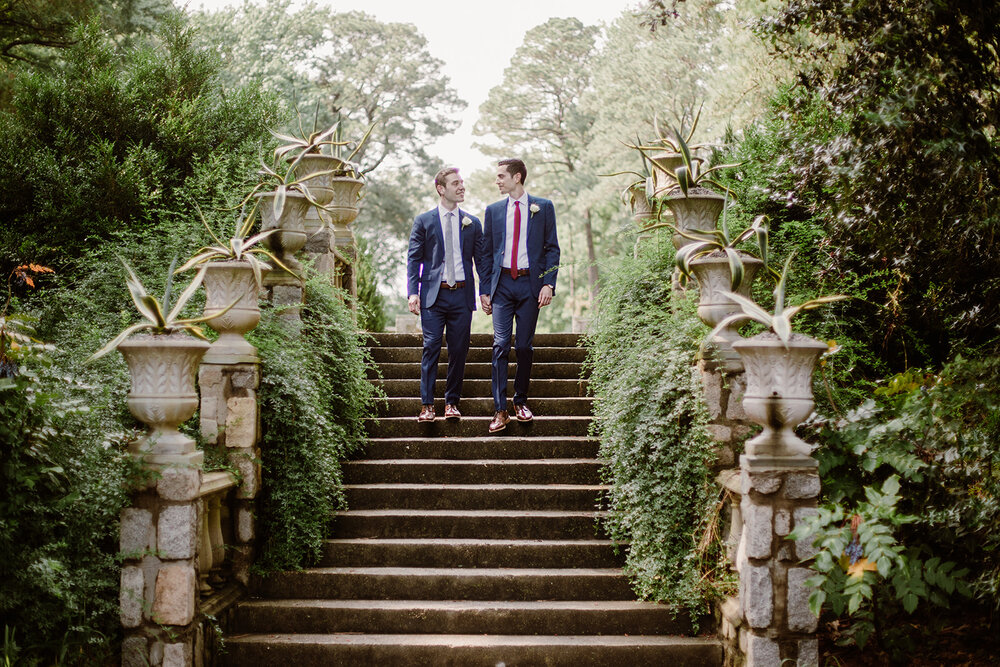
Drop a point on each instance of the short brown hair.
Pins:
(442, 176)
(515, 166)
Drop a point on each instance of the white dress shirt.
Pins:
(456, 246)
(522, 239)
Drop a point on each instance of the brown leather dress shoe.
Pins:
(522, 413)
(426, 414)
(499, 422)
(451, 412)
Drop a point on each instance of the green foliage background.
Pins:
(650, 417)
(314, 394)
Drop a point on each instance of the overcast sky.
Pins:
(476, 40)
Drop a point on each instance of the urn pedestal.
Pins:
(714, 278)
(163, 395)
(698, 211)
(291, 234)
(226, 282)
(779, 396)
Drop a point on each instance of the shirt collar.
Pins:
(523, 200)
(442, 211)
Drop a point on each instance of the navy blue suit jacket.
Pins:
(543, 244)
(425, 257)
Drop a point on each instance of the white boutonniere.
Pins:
(534, 209)
(466, 221)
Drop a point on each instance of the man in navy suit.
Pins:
(441, 289)
(520, 232)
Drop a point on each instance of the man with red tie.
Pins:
(520, 233)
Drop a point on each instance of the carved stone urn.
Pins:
(163, 394)
(699, 211)
(319, 186)
(779, 395)
(291, 234)
(342, 209)
(642, 211)
(662, 182)
(714, 277)
(226, 282)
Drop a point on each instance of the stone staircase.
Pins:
(462, 548)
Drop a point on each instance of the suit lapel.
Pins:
(461, 234)
(436, 230)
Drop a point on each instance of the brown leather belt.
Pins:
(458, 285)
(520, 272)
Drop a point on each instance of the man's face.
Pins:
(505, 182)
(453, 190)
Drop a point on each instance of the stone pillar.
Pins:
(230, 419)
(159, 579)
(727, 420)
(779, 627)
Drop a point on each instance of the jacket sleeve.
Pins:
(550, 247)
(414, 258)
(484, 261)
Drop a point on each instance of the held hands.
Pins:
(545, 296)
(484, 299)
(414, 304)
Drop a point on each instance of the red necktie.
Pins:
(517, 238)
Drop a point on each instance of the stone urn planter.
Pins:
(319, 186)
(698, 211)
(225, 283)
(715, 279)
(342, 209)
(163, 394)
(779, 394)
(291, 234)
(642, 211)
(662, 182)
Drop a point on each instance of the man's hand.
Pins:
(484, 299)
(414, 304)
(545, 296)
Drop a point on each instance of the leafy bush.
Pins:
(650, 417)
(64, 481)
(912, 492)
(314, 395)
(115, 141)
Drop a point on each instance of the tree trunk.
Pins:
(591, 259)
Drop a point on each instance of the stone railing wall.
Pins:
(770, 623)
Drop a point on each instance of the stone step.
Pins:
(476, 340)
(482, 388)
(542, 355)
(475, 496)
(473, 650)
(483, 370)
(474, 617)
(408, 427)
(568, 447)
(483, 407)
(482, 524)
(469, 553)
(473, 471)
(416, 583)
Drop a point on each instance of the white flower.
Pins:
(534, 209)
(466, 221)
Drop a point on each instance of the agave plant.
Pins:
(643, 182)
(707, 242)
(239, 248)
(780, 321)
(314, 142)
(690, 173)
(160, 317)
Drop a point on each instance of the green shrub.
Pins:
(314, 396)
(920, 469)
(63, 481)
(651, 417)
